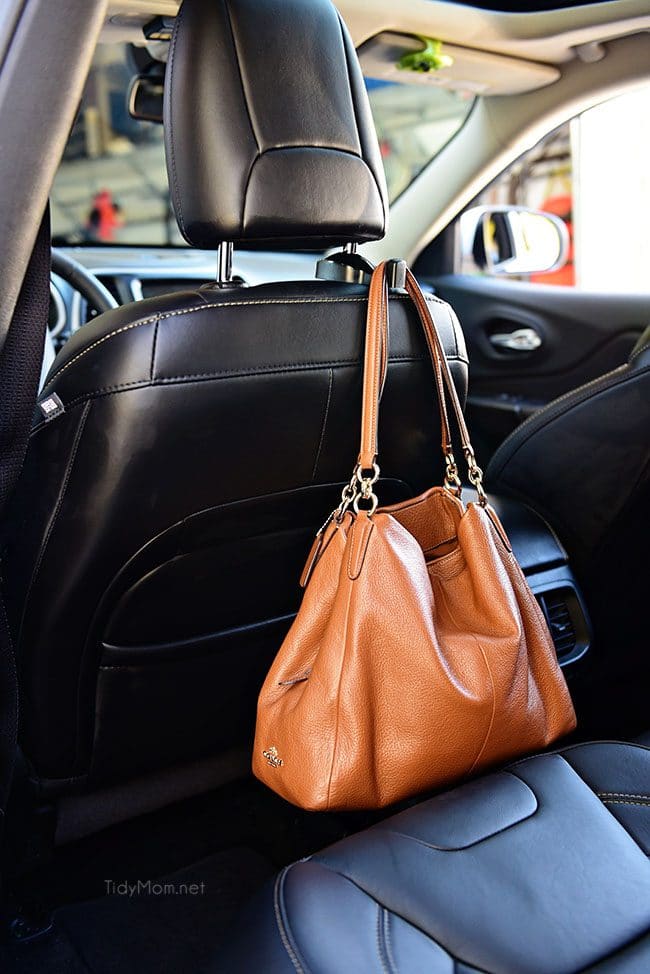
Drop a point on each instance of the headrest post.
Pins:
(350, 248)
(224, 264)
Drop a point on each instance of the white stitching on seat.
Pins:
(204, 307)
(621, 794)
(100, 341)
(280, 923)
(380, 942)
(639, 351)
(387, 941)
(621, 801)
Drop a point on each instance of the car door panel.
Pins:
(558, 338)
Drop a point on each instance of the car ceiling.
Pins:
(551, 36)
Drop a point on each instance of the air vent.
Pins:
(560, 624)
(566, 621)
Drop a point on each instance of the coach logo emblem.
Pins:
(273, 758)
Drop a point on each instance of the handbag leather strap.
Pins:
(438, 355)
(375, 365)
(375, 369)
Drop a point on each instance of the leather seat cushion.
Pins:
(539, 869)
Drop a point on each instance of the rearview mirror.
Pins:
(145, 97)
(512, 240)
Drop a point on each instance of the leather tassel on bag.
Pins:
(419, 654)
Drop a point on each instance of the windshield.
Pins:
(111, 187)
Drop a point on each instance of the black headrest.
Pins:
(268, 130)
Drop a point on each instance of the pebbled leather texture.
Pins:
(534, 870)
(163, 519)
(261, 144)
(419, 654)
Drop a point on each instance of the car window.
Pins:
(413, 123)
(594, 173)
(112, 183)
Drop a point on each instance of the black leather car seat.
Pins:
(167, 505)
(583, 462)
(540, 869)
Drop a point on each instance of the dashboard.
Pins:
(134, 273)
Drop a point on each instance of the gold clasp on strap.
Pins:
(452, 480)
(365, 492)
(348, 495)
(475, 475)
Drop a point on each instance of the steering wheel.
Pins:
(88, 286)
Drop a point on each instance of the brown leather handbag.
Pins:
(419, 654)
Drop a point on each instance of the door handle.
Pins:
(520, 340)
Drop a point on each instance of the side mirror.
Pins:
(512, 240)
